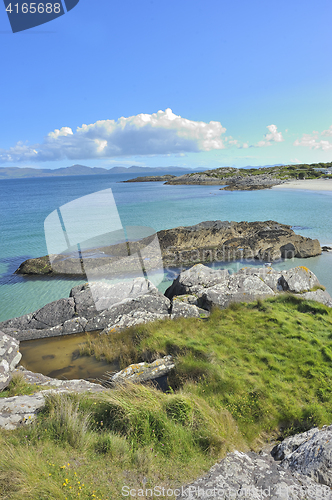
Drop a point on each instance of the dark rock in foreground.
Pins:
(253, 476)
(97, 306)
(304, 473)
(211, 241)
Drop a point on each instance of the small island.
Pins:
(209, 241)
(246, 179)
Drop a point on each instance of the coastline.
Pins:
(307, 184)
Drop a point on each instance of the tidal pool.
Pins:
(58, 357)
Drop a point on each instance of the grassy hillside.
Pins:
(246, 373)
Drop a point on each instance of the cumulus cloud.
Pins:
(144, 134)
(314, 141)
(272, 136)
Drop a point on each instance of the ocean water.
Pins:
(25, 204)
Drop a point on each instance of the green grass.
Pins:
(90, 447)
(19, 387)
(246, 373)
(267, 362)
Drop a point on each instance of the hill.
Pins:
(25, 172)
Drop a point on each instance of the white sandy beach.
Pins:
(308, 184)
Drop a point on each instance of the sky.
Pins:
(195, 84)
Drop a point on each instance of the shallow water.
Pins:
(58, 357)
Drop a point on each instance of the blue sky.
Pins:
(157, 83)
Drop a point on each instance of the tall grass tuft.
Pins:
(65, 422)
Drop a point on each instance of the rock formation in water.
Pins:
(152, 178)
(211, 241)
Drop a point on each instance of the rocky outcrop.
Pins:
(205, 288)
(251, 183)
(98, 306)
(195, 279)
(211, 241)
(148, 307)
(198, 179)
(109, 308)
(225, 241)
(10, 356)
(232, 178)
(152, 178)
(290, 444)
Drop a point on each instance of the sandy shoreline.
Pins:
(307, 184)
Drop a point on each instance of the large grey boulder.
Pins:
(207, 287)
(91, 298)
(305, 472)
(195, 279)
(313, 458)
(50, 315)
(10, 356)
(240, 287)
(299, 279)
(149, 307)
(81, 311)
(290, 444)
(253, 476)
(319, 296)
(186, 310)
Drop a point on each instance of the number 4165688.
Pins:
(33, 8)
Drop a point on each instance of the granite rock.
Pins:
(10, 356)
(207, 287)
(253, 476)
(313, 458)
(143, 372)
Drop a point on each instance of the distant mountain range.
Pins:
(20, 173)
(25, 172)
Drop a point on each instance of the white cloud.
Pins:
(272, 136)
(327, 132)
(314, 141)
(156, 134)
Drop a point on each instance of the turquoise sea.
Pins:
(25, 204)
